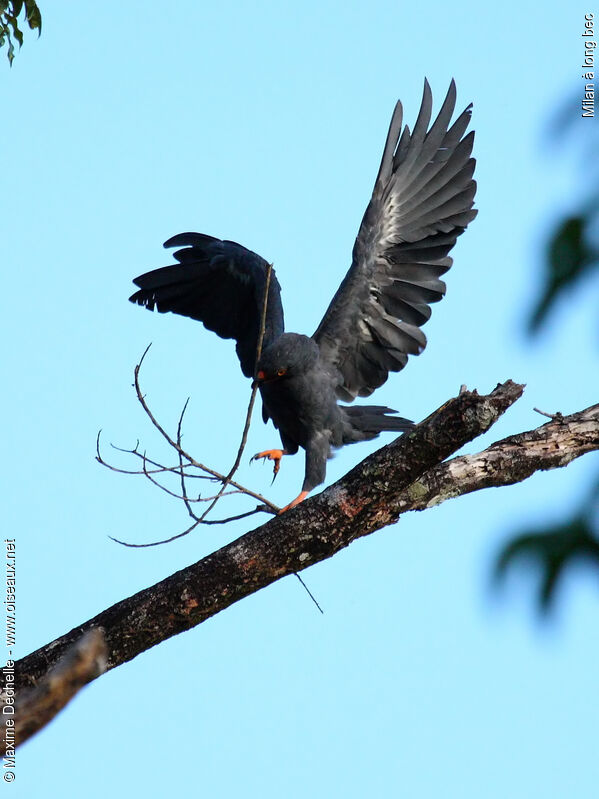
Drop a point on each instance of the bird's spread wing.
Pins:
(422, 201)
(221, 284)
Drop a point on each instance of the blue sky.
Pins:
(264, 123)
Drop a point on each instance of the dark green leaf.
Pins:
(569, 256)
(34, 16)
(552, 551)
(15, 28)
(549, 580)
(9, 14)
(11, 49)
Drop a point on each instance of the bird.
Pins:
(422, 201)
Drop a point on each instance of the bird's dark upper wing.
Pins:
(221, 284)
(422, 201)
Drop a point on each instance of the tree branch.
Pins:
(408, 474)
(508, 461)
(187, 463)
(35, 707)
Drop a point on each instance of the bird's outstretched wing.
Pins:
(221, 284)
(422, 201)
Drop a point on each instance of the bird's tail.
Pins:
(367, 421)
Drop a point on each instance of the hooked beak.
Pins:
(259, 379)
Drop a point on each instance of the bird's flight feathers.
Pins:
(221, 284)
(422, 201)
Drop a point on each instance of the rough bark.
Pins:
(506, 462)
(408, 474)
(35, 707)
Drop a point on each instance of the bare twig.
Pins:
(154, 543)
(160, 468)
(248, 417)
(209, 474)
(310, 594)
(149, 474)
(257, 509)
(556, 415)
(265, 506)
(155, 482)
(181, 470)
(186, 460)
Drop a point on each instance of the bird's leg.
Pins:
(317, 451)
(300, 498)
(271, 455)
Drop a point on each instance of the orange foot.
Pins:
(300, 498)
(271, 455)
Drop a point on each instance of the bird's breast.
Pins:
(300, 407)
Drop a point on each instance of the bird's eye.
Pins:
(281, 372)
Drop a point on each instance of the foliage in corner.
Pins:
(10, 11)
(572, 248)
(571, 256)
(556, 547)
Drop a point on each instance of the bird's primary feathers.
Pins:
(422, 201)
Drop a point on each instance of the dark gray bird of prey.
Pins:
(422, 201)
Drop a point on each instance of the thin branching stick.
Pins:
(248, 417)
(187, 461)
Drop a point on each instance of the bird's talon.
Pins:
(271, 455)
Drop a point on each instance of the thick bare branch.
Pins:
(408, 474)
(508, 461)
(35, 707)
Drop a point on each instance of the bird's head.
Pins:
(289, 355)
